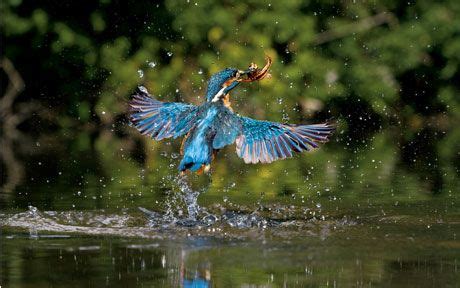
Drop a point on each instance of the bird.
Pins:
(212, 125)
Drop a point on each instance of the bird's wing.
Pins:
(265, 142)
(158, 119)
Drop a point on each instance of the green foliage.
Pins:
(371, 65)
(322, 50)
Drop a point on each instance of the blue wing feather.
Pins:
(158, 119)
(265, 142)
(227, 127)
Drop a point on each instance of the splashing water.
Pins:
(189, 197)
(183, 196)
(181, 210)
(158, 225)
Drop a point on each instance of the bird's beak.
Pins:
(246, 72)
(242, 74)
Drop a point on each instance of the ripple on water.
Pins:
(146, 223)
(152, 224)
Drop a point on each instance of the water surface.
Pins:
(338, 217)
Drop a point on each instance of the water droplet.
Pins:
(33, 209)
(169, 53)
(141, 73)
(152, 64)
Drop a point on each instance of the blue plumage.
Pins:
(217, 80)
(265, 142)
(161, 120)
(197, 146)
(212, 125)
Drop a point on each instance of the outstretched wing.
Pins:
(158, 119)
(265, 142)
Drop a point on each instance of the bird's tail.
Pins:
(189, 163)
(196, 157)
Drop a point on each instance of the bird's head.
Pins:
(222, 82)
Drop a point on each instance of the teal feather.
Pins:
(161, 120)
(265, 142)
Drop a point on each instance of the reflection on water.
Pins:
(390, 252)
(348, 243)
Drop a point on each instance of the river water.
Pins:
(341, 217)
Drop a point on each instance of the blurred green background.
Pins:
(376, 206)
(387, 71)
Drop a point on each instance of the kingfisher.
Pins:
(211, 126)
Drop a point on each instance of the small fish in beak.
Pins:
(256, 74)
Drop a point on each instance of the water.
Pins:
(346, 244)
(334, 218)
(415, 249)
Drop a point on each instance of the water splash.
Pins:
(181, 213)
(182, 197)
(180, 206)
(189, 196)
(156, 225)
(35, 221)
